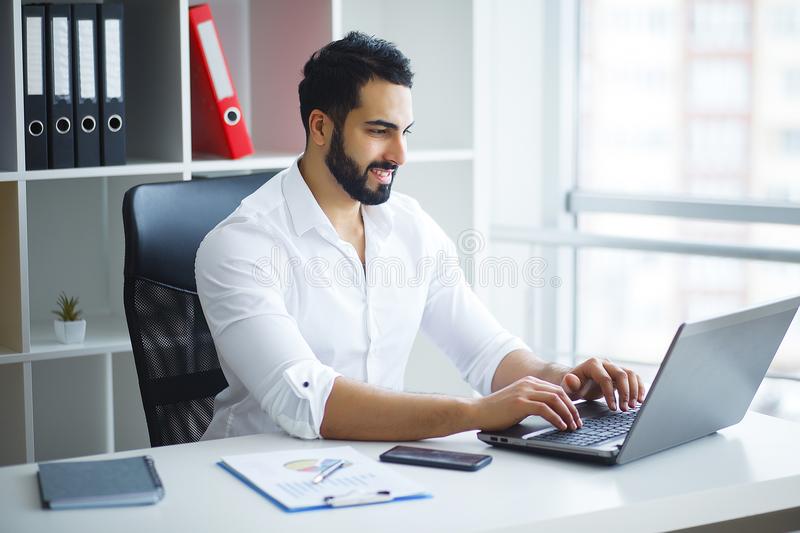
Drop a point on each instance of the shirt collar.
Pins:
(303, 207)
(306, 212)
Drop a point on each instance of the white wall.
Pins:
(524, 102)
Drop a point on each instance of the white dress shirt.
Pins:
(291, 307)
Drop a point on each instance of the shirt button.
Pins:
(305, 384)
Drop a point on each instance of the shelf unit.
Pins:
(62, 229)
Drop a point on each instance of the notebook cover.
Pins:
(109, 483)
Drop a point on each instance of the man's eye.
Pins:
(378, 132)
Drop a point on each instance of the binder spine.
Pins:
(85, 90)
(59, 87)
(35, 81)
(218, 126)
(112, 84)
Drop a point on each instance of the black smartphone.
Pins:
(411, 455)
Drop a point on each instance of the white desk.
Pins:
(750, 469)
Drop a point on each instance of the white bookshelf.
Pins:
(105, 334)
(259, 160)
(62, 229)
(134, 167)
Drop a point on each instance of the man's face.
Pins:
(365, 155)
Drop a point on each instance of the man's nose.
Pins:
(396, 152)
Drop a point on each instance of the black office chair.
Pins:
(177, 364)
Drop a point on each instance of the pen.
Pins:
(322, 476)
(358, 498)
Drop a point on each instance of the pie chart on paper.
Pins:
(312, 465)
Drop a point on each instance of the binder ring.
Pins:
(36, 128)
(63, 125)
(232, 116)
(88, 124)
(115, 123)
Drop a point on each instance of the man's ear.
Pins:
(319, 127)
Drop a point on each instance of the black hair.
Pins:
(335, 74)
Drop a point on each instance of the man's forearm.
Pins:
(357, 411)
(521, 363)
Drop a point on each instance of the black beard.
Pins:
(352, 180)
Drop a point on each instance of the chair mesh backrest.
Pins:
(179, 372)
(177, 365)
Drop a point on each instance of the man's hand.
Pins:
(525, 397)
(596, 378)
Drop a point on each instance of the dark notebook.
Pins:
(111, 483)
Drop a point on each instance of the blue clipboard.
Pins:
(324, 506)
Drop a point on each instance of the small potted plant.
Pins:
(69, 327)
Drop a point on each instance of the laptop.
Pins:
(705, 383)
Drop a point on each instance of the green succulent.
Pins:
(67, 308)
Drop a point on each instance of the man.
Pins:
(307, 343)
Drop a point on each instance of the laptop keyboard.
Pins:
(594, 430)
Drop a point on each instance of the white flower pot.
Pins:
(70, 332)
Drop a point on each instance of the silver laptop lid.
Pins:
(709, 377)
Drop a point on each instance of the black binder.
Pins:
(112, 84)
(35, 75)
(84, 86)
(61, 149)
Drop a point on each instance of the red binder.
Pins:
(217, 121)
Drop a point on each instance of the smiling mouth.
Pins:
(382, 175)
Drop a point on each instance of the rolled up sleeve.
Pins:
(460, 324)
(242, 295)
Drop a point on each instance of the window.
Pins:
(685, 101)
